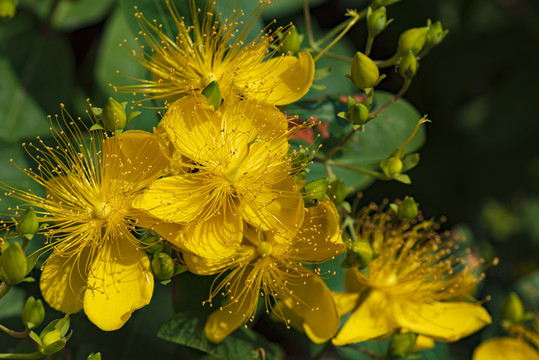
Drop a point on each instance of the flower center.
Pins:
(102, 210)
(231, 173)
(264, 248)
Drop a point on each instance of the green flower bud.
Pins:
(96, 356)
(162, 266)
(435, 35)
(314, 192)
(408, 65)
(359, 255)
(512, 309)
(408, 209)
(413, 40)
(33, 313)
(52, 342)
(292, 42)
(358, 114)
(113, 116)
(391, 166)
(401, 345)
(7, 9)
(364, 72)
(212, 92)
(337, 191)
(376, 21)
(152, 244)
(13, 264)
(28, 224)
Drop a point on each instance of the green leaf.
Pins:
(71, 15)
(321, 73)
(187, 329)
(13, 303)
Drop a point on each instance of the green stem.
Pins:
(357, 169)
(15, 334)
(341, 143)
(348, 27)
(333, 32)
(310, 35)
(34, 355)
(401, 92)
(339, 57)
(4, 289)
(387, 63)
(368, 45)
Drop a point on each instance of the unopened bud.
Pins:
(512, 309)
(162, 266)
(401, 345)
(28, 224)
(33, 313)
(213, 94)
(337, 191)
(7, 9)
(52, 342)
(435, 35)
(292, 41)
(376, 21)
(113, 116)
(408, 65)
(391, 166)
(13, 264)
(364, 72)
(359, 255)
(408, 208)
(358, 113)
(152, 244)
(314, 192)
(96, 356)
(413, 40)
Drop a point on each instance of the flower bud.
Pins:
(408, 209)
(52, 342)
(314, 192)
(212, 92)
(96, 356)
(152, 244)
(359, 255)
(162, 266)
(401, 345)
(7, 9)
(337, 191)
(408, 65)
(391, 166)
(435, 35)
(292, 41)
(358, 113)
(512, 309)
(13, 264)
(113, 116)
(33, 313)
(28, 224)
(364, 72)
(376, 21)
(413, 40)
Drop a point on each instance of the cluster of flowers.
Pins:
(218, 181)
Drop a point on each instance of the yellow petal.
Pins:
(282, 80)
(345, 302)
(505, 348)
(278, 206)
(319, 238)
(173, 199)
(62, 279)
(371, 320)
(135, 156)
(354, 281)
(311, 301)
(442, 321)
(203, 266)
(216, 238)
(423, 343)
(123, 283)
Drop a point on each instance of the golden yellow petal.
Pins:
(345, 302)
(319, 238)
(123, 283)
(423, 343)
(281, 80)
(371, 320)
(173, 199)
(203, 266)
(442, 321)
(505, 348)
(62, 279)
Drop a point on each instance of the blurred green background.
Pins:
(479, 166)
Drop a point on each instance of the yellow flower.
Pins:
(417, 283)
(90, 184)
(215, 49)
(504, 348)
(231, 165)
(273, 266)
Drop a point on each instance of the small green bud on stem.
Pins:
(408, 65)
(512, 309)
(152, 244)
(113, 116)
(359, 255)
(94, 356)
(13, 264)
(376, 21)
(314, 192)
(28, 224)
(412, 40)
(162, 266)
(292, 41)
(33, 313)
(408, 209)
(364, 72)
(391, 166)
(401, 345)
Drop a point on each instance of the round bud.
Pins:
(512, 309)
(33, 313)
(337, 191)
(413, 40)
(401, 345)
(96, 356)
(152, 244)
(376, 21)
(292, 42)
(113, 116)
(364, 72)
(13, 264)
(358, 113)
(363, 253)
(408, 208)
(162, 266)
(391, 166)
(408, 65)
(314, 191)
(28, 224)
(52, 342)
(435, 35)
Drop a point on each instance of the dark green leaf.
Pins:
(70, 15)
